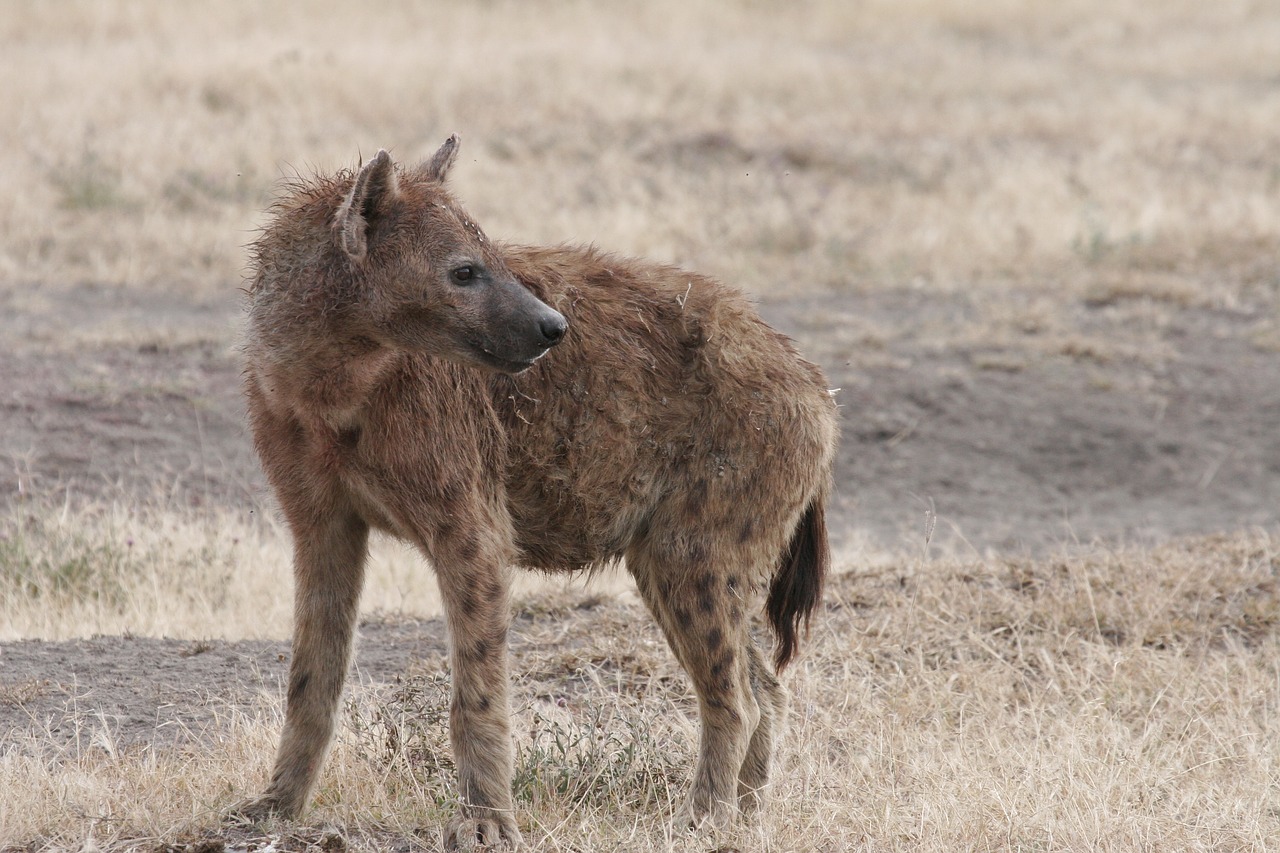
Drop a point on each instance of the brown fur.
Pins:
(669, 425)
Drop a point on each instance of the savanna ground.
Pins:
(1036, 246)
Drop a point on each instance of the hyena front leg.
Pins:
(477, 608)
(329, 556)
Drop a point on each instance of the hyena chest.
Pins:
(343, 454)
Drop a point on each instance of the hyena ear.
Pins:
(437, 167)
(375, 184)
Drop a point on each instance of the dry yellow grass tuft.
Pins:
(117, 569)
(147, 571)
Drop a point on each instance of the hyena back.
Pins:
(550, 408)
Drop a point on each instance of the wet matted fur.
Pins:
(504, 406)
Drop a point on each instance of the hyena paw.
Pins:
(258, 809)
(699, 813)
(491, 832)
(750, 800)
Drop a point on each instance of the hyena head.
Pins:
(428, 278)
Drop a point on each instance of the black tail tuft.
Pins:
(797, 587)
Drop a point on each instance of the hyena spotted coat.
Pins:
(549, 408)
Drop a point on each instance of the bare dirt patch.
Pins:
(1048, 440)
(1108, 426)
(128, 692)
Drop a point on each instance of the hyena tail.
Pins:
(797, 586)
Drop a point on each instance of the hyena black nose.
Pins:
(553, 327)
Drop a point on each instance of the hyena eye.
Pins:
(463, 274)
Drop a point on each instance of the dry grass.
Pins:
(146, 571)
(113, 569)
(1029, 159)
(1032, 156)
(790, 147)
(1108, 700)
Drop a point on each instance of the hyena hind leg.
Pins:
(772, 699)
(705, 626)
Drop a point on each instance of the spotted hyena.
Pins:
(549, 408)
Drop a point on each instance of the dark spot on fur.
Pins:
(697, 499)
(704, 584)
(450, 493)
(297, 687)
(349, 438)
(722, 670)
(715, 639)
(483, 704)
(493, 590)
(468, 604)
(732, 583)
(682, 616)
(469, 548)
(695, 338)
(697, 554)
(478, 650)
(728, 712)
(748, 530)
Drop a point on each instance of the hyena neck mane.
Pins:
(330, 379)
(309, 348)
(310, 356)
